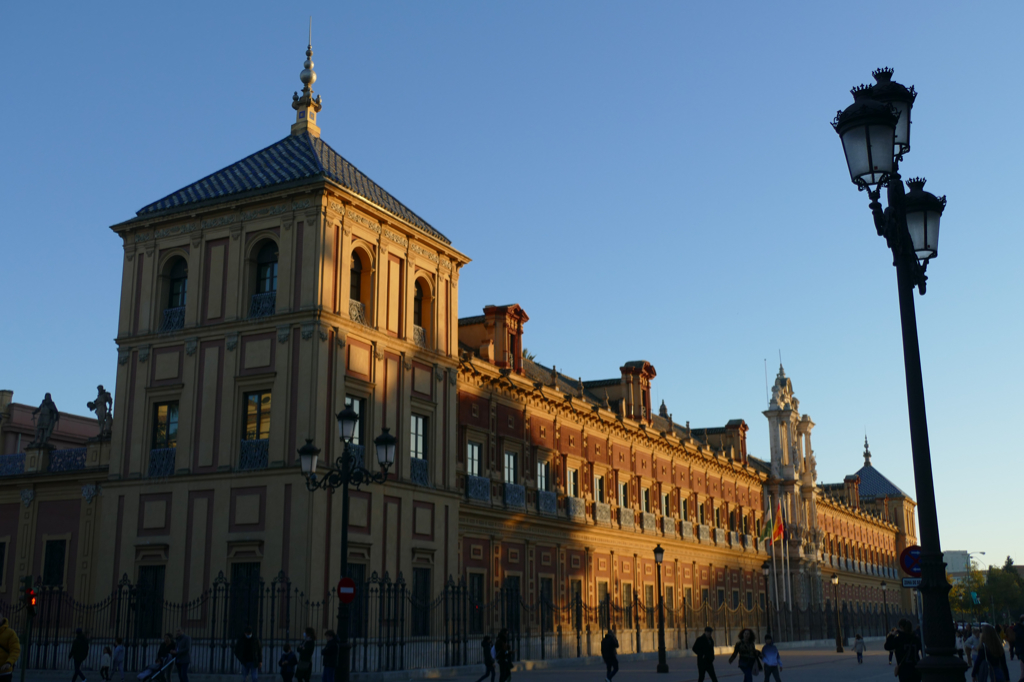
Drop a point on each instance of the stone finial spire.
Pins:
(867, 452)
(306, 107)
(663, 411)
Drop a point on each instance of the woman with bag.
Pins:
(750, 657)
(904, 645)
(304, 669)
(991, 658)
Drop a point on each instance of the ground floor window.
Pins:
(54, 561)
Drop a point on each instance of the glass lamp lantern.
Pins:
(868, 131)
(887, 91)
(924, 210)
(347, 420)
(884, 586)
(659, 554)
(385, 444)
(308, 456)
(766, 568)
(835, 579)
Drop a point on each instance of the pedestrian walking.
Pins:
(503, 655)
(891, 653)
(329, 655)
(105, 664)
(10, 650)
(182, 654)
(771, 658)
(905, 645)
(960, 644)
(990, 657)
(488, 649)
(859, 647)
(971, 645)
(610, 654)
(79, 652)
(746, 650)
(117, 658)
(288, 662)
(704, 647)
(250, 654)
(304, 670)
(1018, 640)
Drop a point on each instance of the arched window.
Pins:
(417, 309)
(174, 289)
(264, 297)
(266, 269)
(355, 287)
(178, 277)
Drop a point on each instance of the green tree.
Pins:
(1003, 592)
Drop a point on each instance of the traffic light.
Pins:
(28, 596)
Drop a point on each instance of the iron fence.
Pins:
(393, 626)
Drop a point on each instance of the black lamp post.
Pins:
(346, 471)
(875, 131)
(839, 633)
(885, 606)
(659, 556)
(766, 568)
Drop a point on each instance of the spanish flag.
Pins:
(777, 530)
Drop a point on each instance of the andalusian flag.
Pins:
(766, 528)
(777, 530)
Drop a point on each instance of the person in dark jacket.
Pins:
(250, 654)
(304, 670)
(489, 652)
(182, 654)
(905, 645)
(610, 654)
(704, 647)
(991, 658)
(503, 655)
(746, 651)
(288, 662)
(329, 655)
(79, 652)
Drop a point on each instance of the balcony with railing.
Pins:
(161, 462)
(419, 471)
(734, 539)
(172, 320)
(627, 518)
(547, 502)
(66, 460)
(648, 522)
(576, 509)
(703, 533)
(515, 496)
(255, 454)
(668, 526)
(262, 305)
(603, 513)
(719, 537)
(478, 488)
(419, 336)
(12, 465)
(686, 528)
(748, 543)
(357, 311)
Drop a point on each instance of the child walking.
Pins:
(105, 664)
(858, 646)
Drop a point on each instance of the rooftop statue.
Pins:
(102, 407)
(46, 422)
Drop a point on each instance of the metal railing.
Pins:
(12, 465)
(66, 460)
(262, 305)
(173, 319)
(161, 462)
(255, 454)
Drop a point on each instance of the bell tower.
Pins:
(307, 107)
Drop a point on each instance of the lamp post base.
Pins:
(942, 669)
(663, 667)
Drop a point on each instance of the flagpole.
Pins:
(775, 579)
(787, 577)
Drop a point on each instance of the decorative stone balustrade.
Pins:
(703, 534)
(356, 311)
(648, 522)
(603, 513)
(627, 518)
(668, 526)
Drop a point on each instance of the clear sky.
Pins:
(648, 180)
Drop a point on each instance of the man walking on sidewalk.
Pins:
(704, 647)
(610, 654)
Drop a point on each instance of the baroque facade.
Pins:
(261, 300)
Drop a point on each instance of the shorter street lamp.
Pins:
(659, 556)
(766, 568)
(839, 634)
(346, 471)
(885, 606)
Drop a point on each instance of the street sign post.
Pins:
(912, 582)
(346, 590)
(910, 561)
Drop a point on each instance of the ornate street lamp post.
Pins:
(766, 568)
(885, 607)
(659, 556)
(875, 131)
(346, 471)
(835, 599)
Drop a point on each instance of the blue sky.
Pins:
(648, 180)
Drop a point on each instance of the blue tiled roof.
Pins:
(296, 157)
(874, 484)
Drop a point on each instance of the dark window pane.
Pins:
(266, 269)
(151, 601)
(53, 562)
(257, 416)
(417, 308)
(355, 287)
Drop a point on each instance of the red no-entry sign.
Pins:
(346, 590)
(910, 561)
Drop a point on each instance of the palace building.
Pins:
(261, 300)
